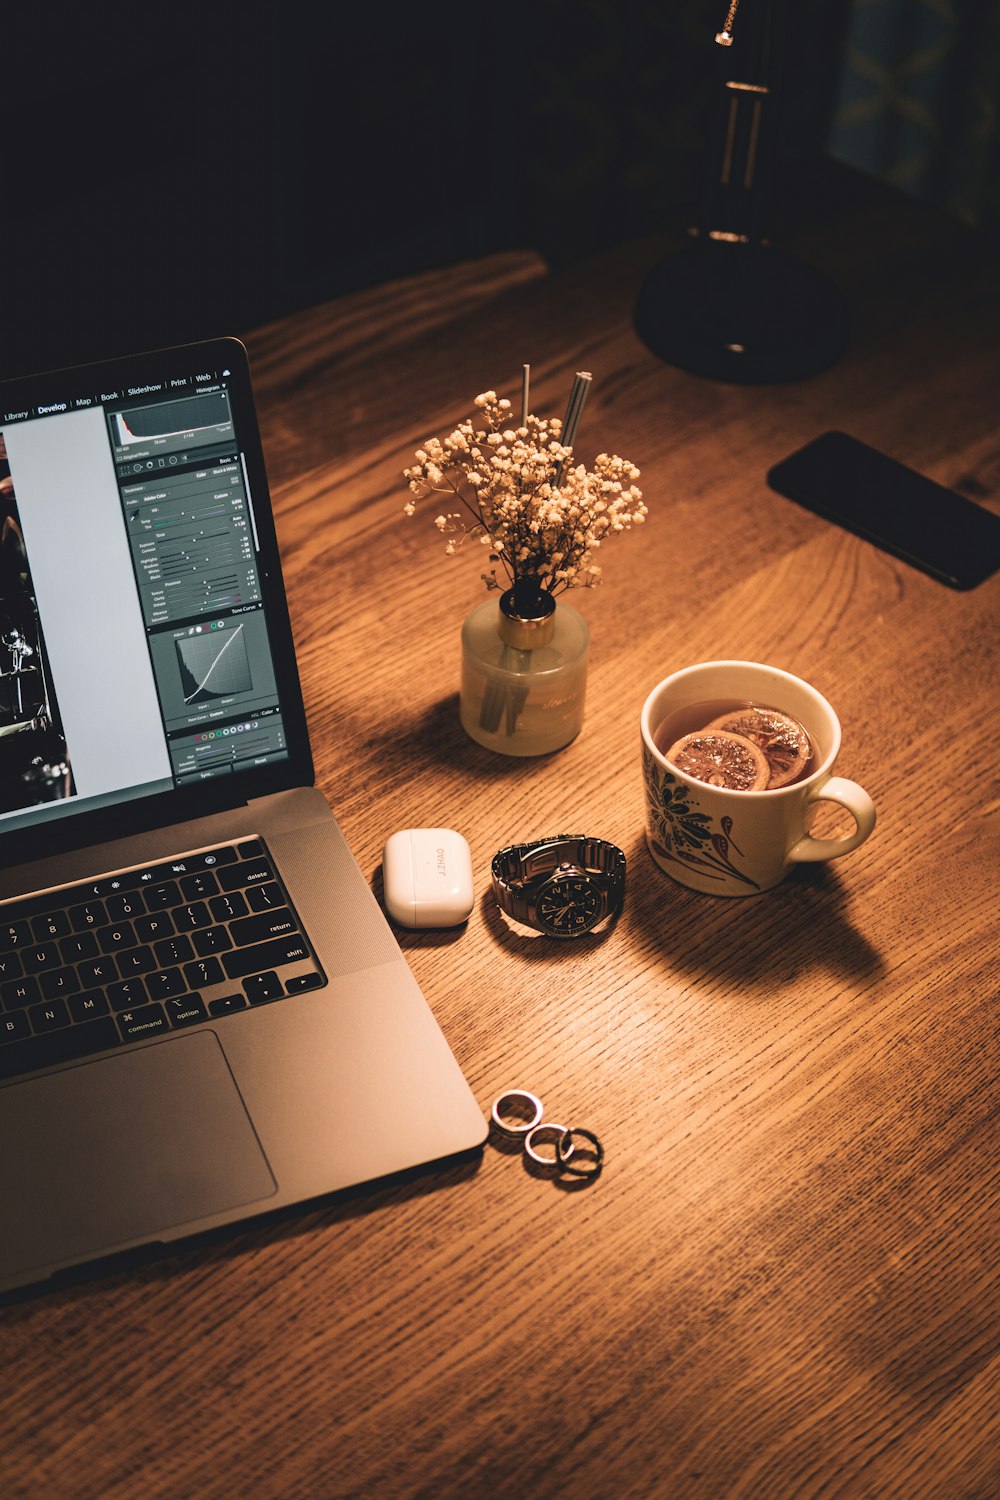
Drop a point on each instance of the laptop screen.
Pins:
(144, 646)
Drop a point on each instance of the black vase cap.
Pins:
(527, 602)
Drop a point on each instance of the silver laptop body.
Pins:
(156, 796)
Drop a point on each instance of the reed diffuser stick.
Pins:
(525, 380)
(574, 411)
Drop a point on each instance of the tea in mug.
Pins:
(739, 746)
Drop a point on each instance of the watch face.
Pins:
(569, 905)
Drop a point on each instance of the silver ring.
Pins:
(554, 1133)
(565, 1149)
(516, 1096)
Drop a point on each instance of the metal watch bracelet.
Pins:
(518, 868)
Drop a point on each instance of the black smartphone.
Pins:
(901, 511)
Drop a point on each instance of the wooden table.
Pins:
(785, 1280)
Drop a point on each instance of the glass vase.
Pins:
(524, 674)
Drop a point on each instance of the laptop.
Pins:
(204, 1015)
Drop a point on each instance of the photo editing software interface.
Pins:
(134, 649)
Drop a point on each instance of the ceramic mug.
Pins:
(732, 843)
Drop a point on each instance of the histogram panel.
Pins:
(165, 427)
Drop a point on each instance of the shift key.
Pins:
(270, 955)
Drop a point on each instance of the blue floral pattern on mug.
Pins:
(683, 835)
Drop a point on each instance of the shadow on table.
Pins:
(413, 937)
(800, 927)
(214, 1249)
(548, 1172)
(538, 946)
(440, 735)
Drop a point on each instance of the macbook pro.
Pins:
(204, 1014)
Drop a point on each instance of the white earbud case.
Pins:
(427, 873)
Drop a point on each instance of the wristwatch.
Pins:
(563, 886)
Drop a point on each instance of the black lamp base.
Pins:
(744, 313)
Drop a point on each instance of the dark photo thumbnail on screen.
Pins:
(34, 759)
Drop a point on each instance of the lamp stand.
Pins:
(730, 305)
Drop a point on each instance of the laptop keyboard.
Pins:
(146, 952)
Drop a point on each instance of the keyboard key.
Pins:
(14, 1027)
(195, 914)
(159, 896)
(90, 914)
(40, 956)
(97, 972)
(127, 994)
(225, 856)
(226, 1004)
(146, 1021)
(194, 887)
(249, 872)
(66, 1045)
(14, 935)
(270, 955)
(203, 972)
(149, 929)
(137, 961)
(300, 982)
(118, 935)
(156, 875)
(82, 945)
(54, 924)
(164, 983)
(263, 988)
(173, 951)
(126, 906)
(185, 1010)
(11, 967)
(269, 924)
(86, 1006)
(266, 897)
(58, 982)
(48, 1016)
(113, 883)
(250, 849)
(211, 940)
(224, 908)
(20, 992)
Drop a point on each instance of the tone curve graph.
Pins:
(212, 671)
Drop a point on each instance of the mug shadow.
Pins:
(802, 925)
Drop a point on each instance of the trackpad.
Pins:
(111, 1152)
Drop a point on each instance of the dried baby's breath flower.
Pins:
(519, 493)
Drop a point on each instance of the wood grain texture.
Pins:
(784, 1282)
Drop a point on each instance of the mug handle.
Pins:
(857, 802)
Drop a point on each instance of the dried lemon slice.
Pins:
(782, 739)
(722, 759)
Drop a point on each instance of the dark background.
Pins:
(177, 171)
